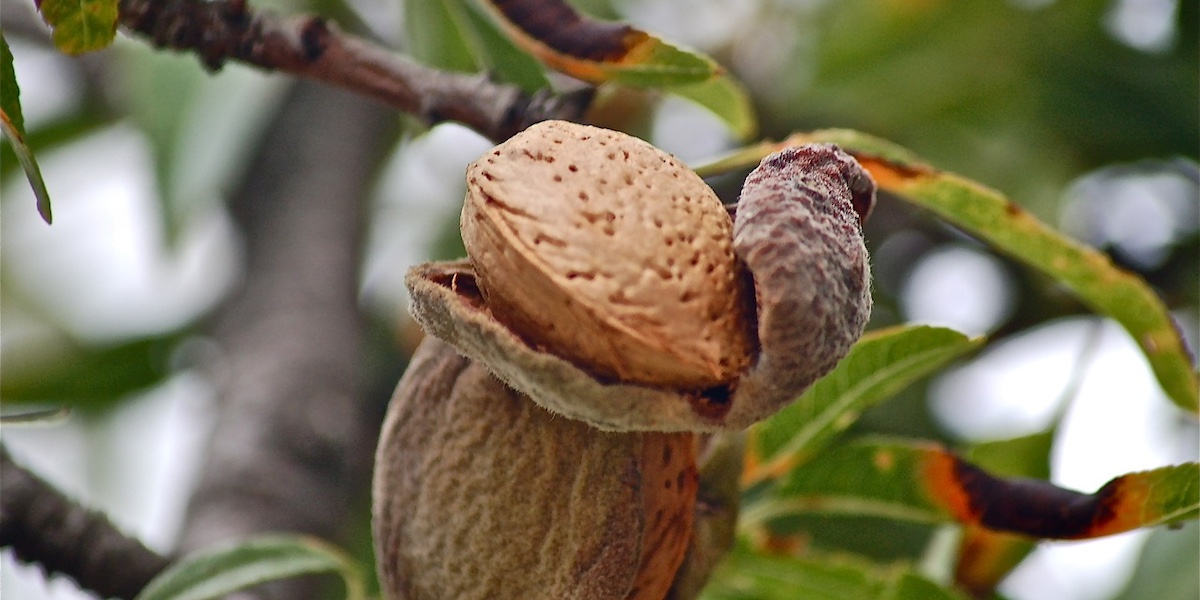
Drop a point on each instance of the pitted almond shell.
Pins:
(610, 253)
(481, 494)
(799, 236)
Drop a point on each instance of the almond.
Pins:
(602, 249)
(482, 494)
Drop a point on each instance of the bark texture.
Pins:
(43, 526)
(291, 449)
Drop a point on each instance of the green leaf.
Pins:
(81, 25)
(655, 63)
(456, 35)
(12, 123)
(989, 216)
(435, 37)
(1024, 456)
(10, 92)
(216, 572)
(499, 56)
(85, 376)
(1168, 568)
(882, 363)
(922, 482)
(746, 575)
(727, 99)
(45, 416)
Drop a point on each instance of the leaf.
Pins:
(924, 482)
(882, 363)
(12, 123)
(500, 56)
(746, 575)
(45, 416)
(435, 37)
(10, 92)
(597, 51)
(727, 99)
(456, 35)
(216, 572)
(86, 376)
(988, 215)
(985, 557)
(1167, 568)
(81, 25)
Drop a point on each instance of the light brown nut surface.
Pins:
(602, 249)
(669, 484)
(798, 233)
(481, 494)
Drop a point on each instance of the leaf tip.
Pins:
(43, 209)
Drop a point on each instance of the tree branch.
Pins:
(294, 437)
(43, 526)
(311, 47)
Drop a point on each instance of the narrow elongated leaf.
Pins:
(726, 99)
(217, 572)
(435, 37)
(924, 482)
(81, 25)
(45, 416)
(1168, 567)
(458, 35)
(497, 54)
(12, 123)
(86, 376)
(984, 556)
(10, 92)
(746, 575)
(989, 216)
(882, 363)
(597, 51)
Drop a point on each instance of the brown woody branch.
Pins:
(314, 48)
(43, 526)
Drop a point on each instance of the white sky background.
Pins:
(101, 271)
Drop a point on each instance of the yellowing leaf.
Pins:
(81, 25)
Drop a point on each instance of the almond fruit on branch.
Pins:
(614, 323)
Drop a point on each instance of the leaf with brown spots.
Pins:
(985, 557)
(597, 51)
(989, 216)
(923, 482)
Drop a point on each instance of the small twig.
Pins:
(311, 47)
(43, 526)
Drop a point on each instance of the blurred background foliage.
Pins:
(1085, 112)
